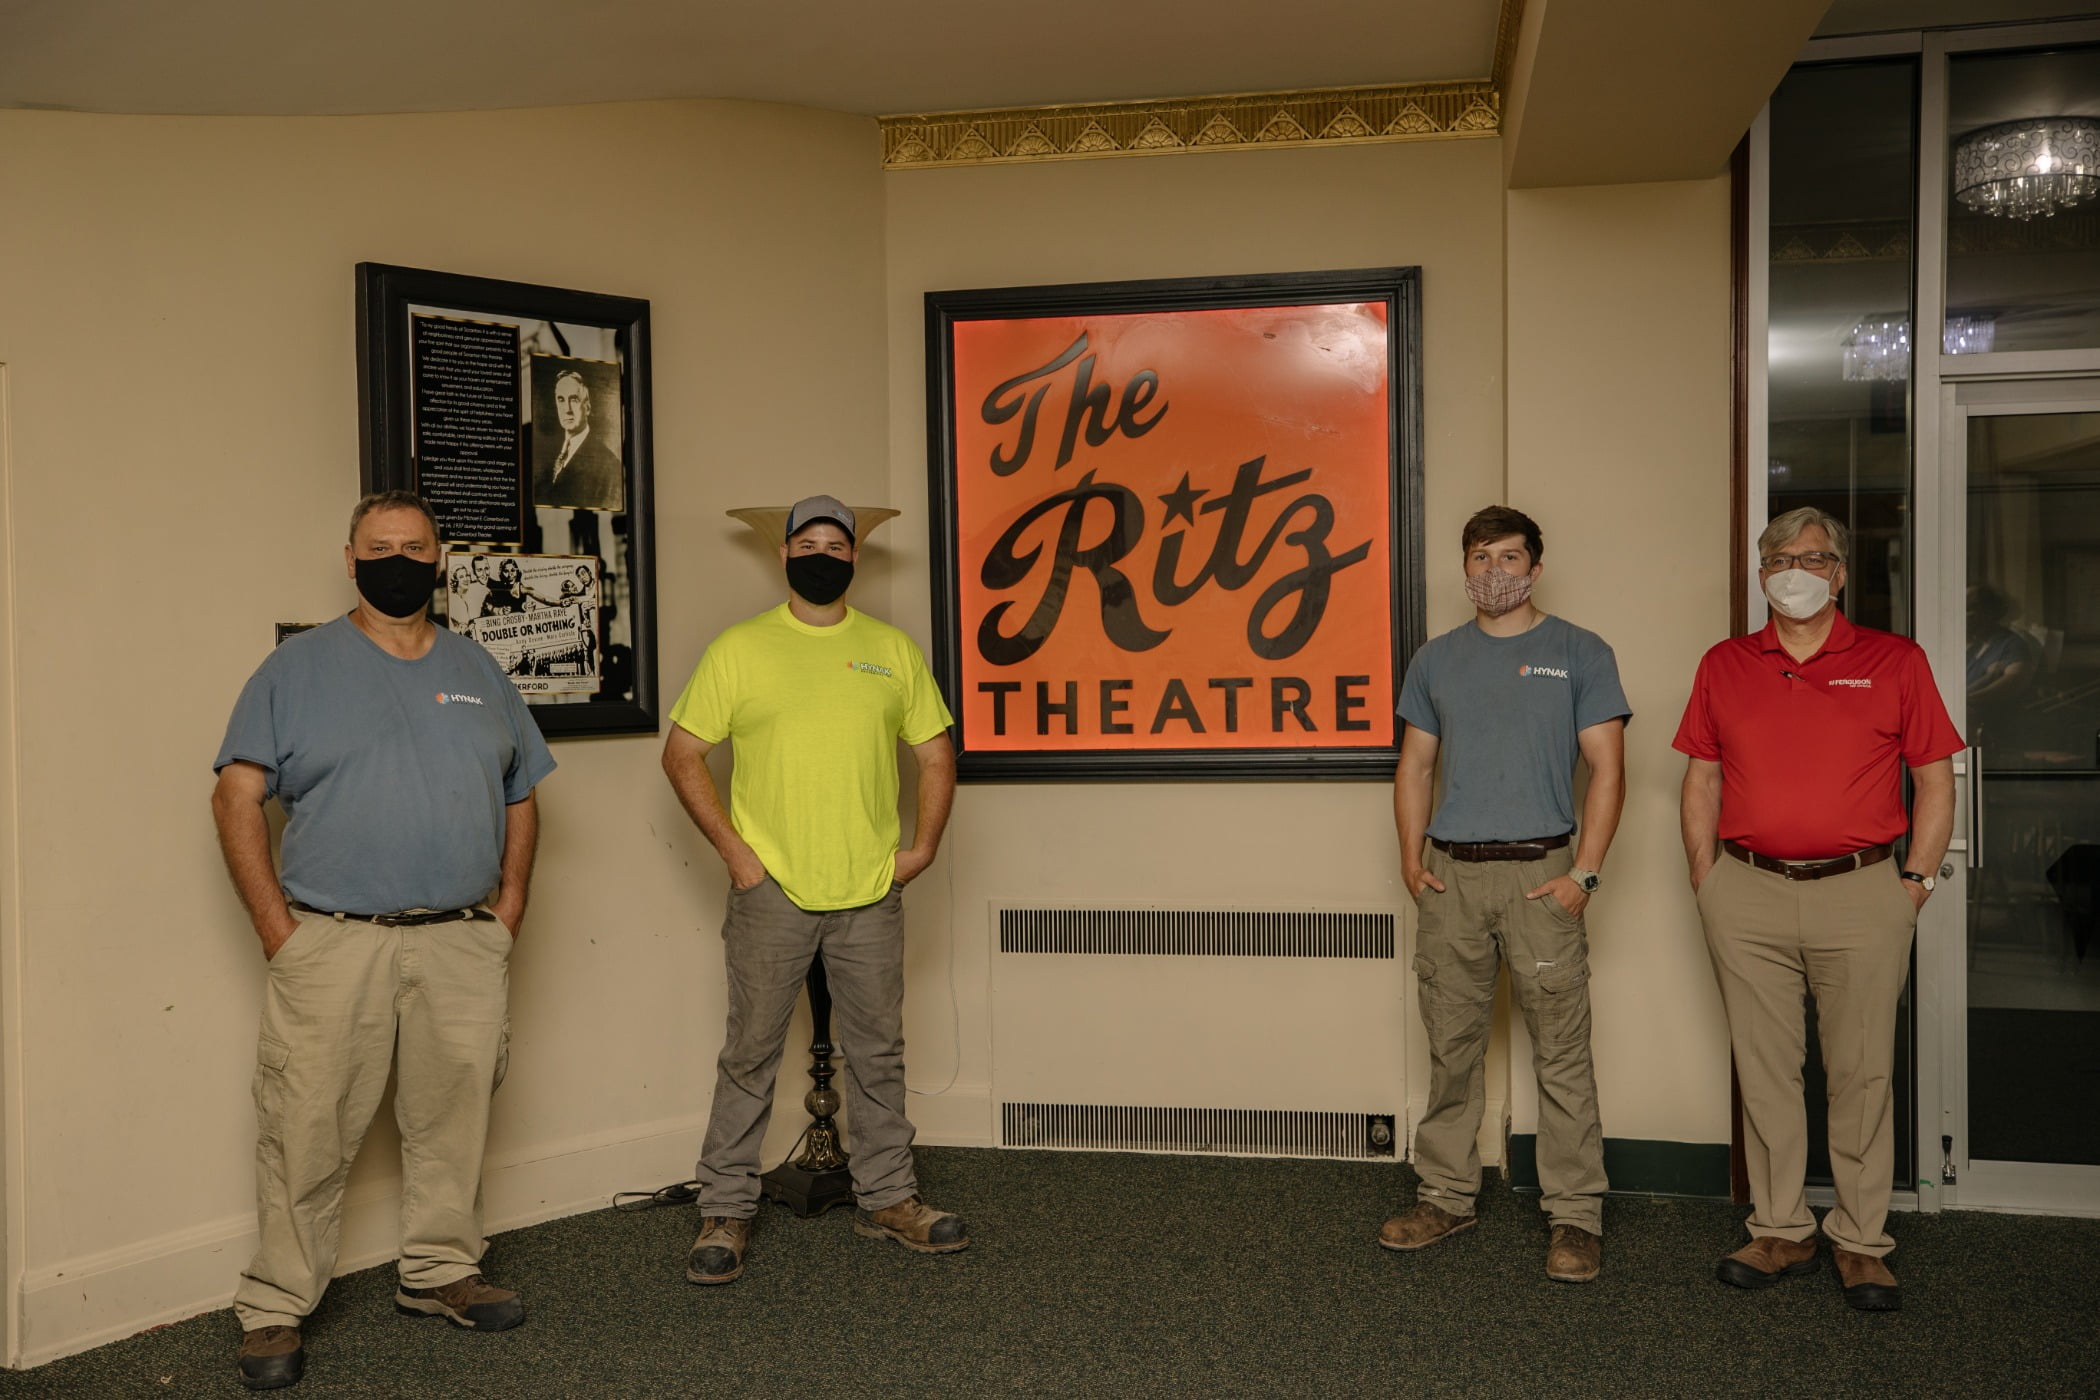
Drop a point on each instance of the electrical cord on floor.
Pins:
(682, 1193)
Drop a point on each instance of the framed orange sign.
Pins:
(1177, 524)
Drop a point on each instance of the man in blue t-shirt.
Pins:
(1507, 702)
(405, 763)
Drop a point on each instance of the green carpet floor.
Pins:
(1120, 1275)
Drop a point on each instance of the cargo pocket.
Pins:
(272, 1056)
(1560, 1001)
(502, 1056)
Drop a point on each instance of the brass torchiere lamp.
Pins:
(818, 1178)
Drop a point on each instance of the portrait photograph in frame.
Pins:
(521, 414)
(1177, 525)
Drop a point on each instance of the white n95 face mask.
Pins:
(1798, 593)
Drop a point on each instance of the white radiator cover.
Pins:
(1300, 1012)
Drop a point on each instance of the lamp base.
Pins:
(807, 1192)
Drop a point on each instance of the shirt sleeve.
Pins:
(703, 707)
(531, 760)
(1416, 707)
(1697, 736)
(925, 713)
(1598, 695)
(1928, 734)
(251, 734)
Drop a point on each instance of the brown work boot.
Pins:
(1868, 1284)
(1419, 1225)
(471, 1302)
(717, 1255)
(1574, 1256)
(271, 1358)
(915, 1225)
(1765, 1260)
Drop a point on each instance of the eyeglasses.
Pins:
(1815, 561)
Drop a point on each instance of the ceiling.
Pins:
(287, 57)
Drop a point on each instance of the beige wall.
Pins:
(1618, 444)
(176, 318)
(1435, 204)
(176, 335)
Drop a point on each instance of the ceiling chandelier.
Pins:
(1878, 347)
(2017, 170)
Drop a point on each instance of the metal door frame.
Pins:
(1942, 997)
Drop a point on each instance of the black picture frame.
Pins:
(1398, 291)
(387, 296)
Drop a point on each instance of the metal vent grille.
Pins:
(1242, 1132)
(1199, 933)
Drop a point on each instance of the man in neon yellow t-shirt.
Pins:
(814, 696)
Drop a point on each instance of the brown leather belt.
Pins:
(1809, 869)
(1501, 850)
(407, 918)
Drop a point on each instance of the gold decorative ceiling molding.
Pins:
(1507, 24)
(1331, 117)
(1888, 240)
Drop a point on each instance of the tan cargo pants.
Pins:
(345, 1001)
(1846, 939)
(1483, 916)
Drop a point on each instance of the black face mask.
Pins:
(396, 584)
(819, 578)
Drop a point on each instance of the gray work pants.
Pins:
(768, 942)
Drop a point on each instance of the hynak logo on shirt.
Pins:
(1854, 682)
(1554, 672)
(869, 667)
(444, 699)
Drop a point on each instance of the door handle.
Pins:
(1976, 807)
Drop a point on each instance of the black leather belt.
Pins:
(1501, 850)
(407, 918)
(1809, 869)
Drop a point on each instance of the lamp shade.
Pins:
(2017, 170)
(771, 521)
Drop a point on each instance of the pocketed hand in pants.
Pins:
(1846, 939)
(344, 1002)
(1482, 918)
(768, 942)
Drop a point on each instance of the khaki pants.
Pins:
(1483, 916)
(768, 942)
(345, 1000)
(1846, 941)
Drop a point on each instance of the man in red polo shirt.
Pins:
(1798, 736)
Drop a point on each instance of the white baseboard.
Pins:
(99, 1298)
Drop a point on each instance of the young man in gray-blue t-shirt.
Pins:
(1508, 702)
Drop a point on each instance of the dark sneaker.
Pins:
(1420, 1225)
(1574, 1256)
(915, 1225)
(718, 1254)
(1868, 1284)
(1766, 1260)
(271, 1358)
(471, 1302)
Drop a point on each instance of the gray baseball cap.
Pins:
(810, 509)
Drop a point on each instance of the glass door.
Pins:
(2022, 1056)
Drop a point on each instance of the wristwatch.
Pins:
(1588, 880)
(1926, 880)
